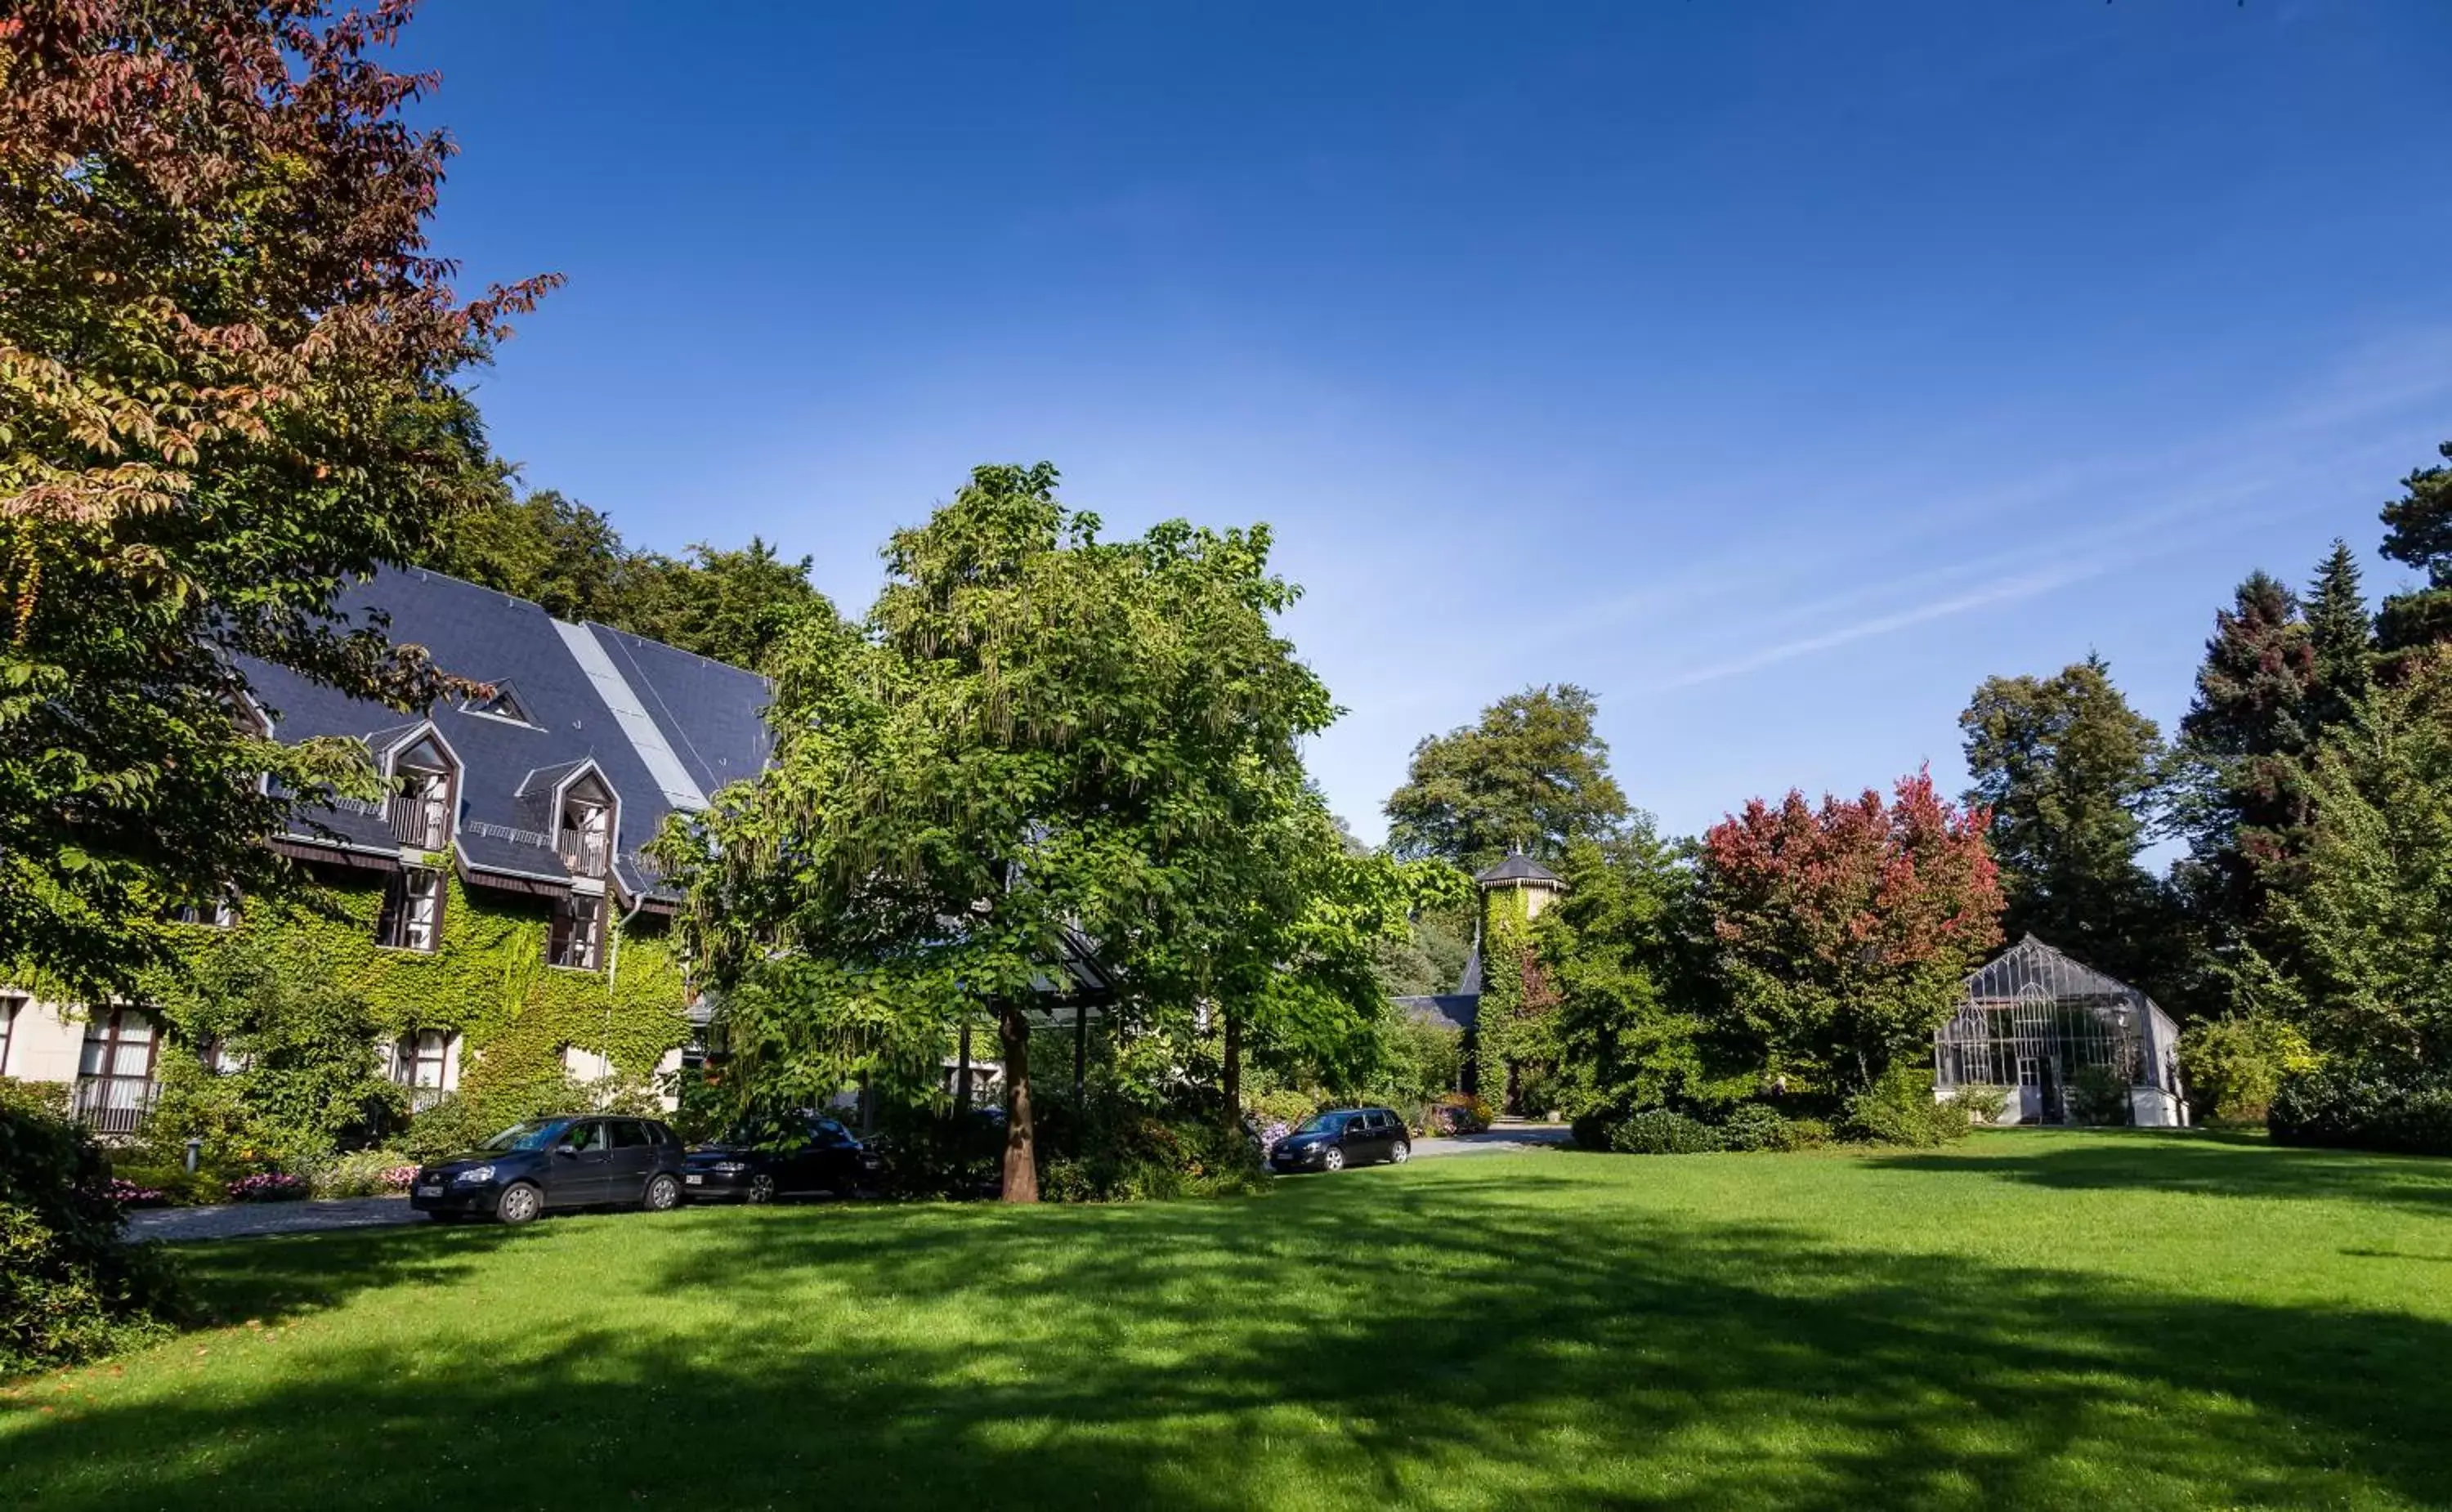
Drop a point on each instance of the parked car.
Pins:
(573, 1161)
(798, 1153)
(1342, 1137)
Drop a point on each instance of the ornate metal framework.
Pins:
(2034, 1018)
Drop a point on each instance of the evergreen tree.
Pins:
(1529, 774)
(2418, 531)
(2240, 799)
(2341, 637)
(2070, 772)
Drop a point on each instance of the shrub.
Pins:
(1271, 1116)
(2365, 1106)
(1591, 1127)
(364, 1173)
(267, 1186)
(1754, 1126)
(1456, 1113)
(1658, 1132)
(44, 1098)
(128, 1194)
(2235, 1065)
(1807, 1134)
(1983, 1104)
(1901, 1109)
(179, 1186)
(2098, 1095)
(71, 1287)
(1115, 1152)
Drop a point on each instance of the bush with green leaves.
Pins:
(71, 1287)
(2370, 1105)
(1900, 1108)
(1658, 1132)
(1756, 1125)
(2098, 1095)
(1115, 1152)
(2235, 1065)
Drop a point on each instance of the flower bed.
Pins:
(270, 1186)
(128, 1194)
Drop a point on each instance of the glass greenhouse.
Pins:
(2065, 1041)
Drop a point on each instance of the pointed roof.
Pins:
(1516, 868)
(2032, 965)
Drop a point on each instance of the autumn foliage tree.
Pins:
(227, 385)
(1841, 932)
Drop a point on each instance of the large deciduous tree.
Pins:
(1036, 736)
(1841, 933)
(228, 359)
(1619, 949)
(1531, 773)
(2070, 772)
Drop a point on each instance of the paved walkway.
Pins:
(1499, 1139)
(239, 1218)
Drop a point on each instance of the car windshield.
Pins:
(1322, 1124)
(534, 1134)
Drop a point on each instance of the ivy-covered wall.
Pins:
(486, 980)
(1506, 942)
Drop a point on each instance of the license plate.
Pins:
(694, 1181)
(429, 1192)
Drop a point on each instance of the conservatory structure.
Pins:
(2065, 1041)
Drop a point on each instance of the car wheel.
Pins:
(1333, 1160)
(662, 1195)
(1402, 1153)
(762, 1188)
(520, 1203)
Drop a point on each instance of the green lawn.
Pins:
(2035, 1320)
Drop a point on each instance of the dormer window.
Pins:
(587, 833)
(503, 703)
(421, 810)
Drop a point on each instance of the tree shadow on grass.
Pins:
(1507, 1339)
(2216, 1165)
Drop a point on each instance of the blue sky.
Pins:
(1778, 371)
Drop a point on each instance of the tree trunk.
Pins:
(963, 1071)
(1020, 1137)
(1230, 1075)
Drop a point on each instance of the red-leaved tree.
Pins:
(1842, 933)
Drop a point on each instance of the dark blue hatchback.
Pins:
(574, 1161)
(1342, 1137)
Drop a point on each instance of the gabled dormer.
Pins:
(502, 702)
(425, 774)
(577, 805)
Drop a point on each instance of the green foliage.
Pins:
(306, 1080)
(2069, 773)
(2418, 533)
(1756, 1126)
(1532, 773)
(2098, 1095)
(1422, 1062)
(1658, 1132)
(2365, 963)
(732, 606)
(71, 1287)
(2236, 1065)
(1035, 732)
(1901, 1109)
(1118, 1154)
(2355, 1104)
(227, 365)
(2341, 635)
(1616, 948)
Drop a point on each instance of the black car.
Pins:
(801, 1153)
(574, 1161)
(1342, 1137)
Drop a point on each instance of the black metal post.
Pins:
(1080, 1047)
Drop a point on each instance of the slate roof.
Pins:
(1516, 868)
(1447, 1010)
(707, 716)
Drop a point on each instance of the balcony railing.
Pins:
(422, 1098)
(416, 820)
(586, 855)
(114, 1105)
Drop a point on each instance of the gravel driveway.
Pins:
(1499, 1140)
(240, 1219)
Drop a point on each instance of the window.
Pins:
(412, 911)
(502, 703)
(421, 1061)
(217, 915)
(421, 813)
(587, 839)
(627, 1134)
(585, 1134)
(114, 1087)
(9, 1007)
(577, 926)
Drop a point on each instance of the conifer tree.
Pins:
(2418, 531)
(2341, 637)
